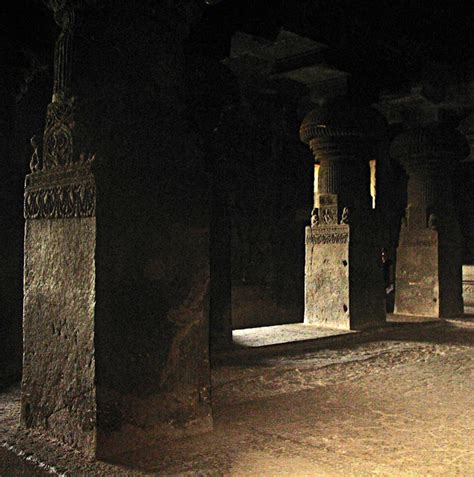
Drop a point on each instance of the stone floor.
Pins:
(279, 334)
(297, 332)
(399, 404)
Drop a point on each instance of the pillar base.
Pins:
(428, 275)
(343, 278)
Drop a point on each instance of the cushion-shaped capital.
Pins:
(341, 118)
(429, 147)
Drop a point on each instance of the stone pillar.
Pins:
(116, 287)
(343, 273)
(429, 256)
(468, 288)
(464, 185)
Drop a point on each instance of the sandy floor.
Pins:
(278, 334)
(402, 405)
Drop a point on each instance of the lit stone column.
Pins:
(429, 257)
(343, 274)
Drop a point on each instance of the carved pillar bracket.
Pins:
(428, 280)
(343, 277)
(58, 132)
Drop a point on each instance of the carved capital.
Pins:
(341, 125)
(429, 149)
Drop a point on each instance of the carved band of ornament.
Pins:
(61, 201)
(328, 238)
(328, 234)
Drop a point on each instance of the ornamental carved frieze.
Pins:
(60, 195)
(328, 235)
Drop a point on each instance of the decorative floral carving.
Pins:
(328, 215)
(58, 140)
(61, 201)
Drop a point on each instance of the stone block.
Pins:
(428, 281)
(115, 308)
(343, 279)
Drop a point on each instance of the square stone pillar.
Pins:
(343, 279)
(115, 307)
(468, 288)
(417, 279)
(116, 287)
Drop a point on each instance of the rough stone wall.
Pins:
(58, 327)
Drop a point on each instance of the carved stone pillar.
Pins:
(116, 288)
(429, 257)
(343, 274)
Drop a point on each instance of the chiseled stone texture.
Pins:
(327, 282)
(343, 280)
(428, 278)
(417, 273)
(58, 327)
